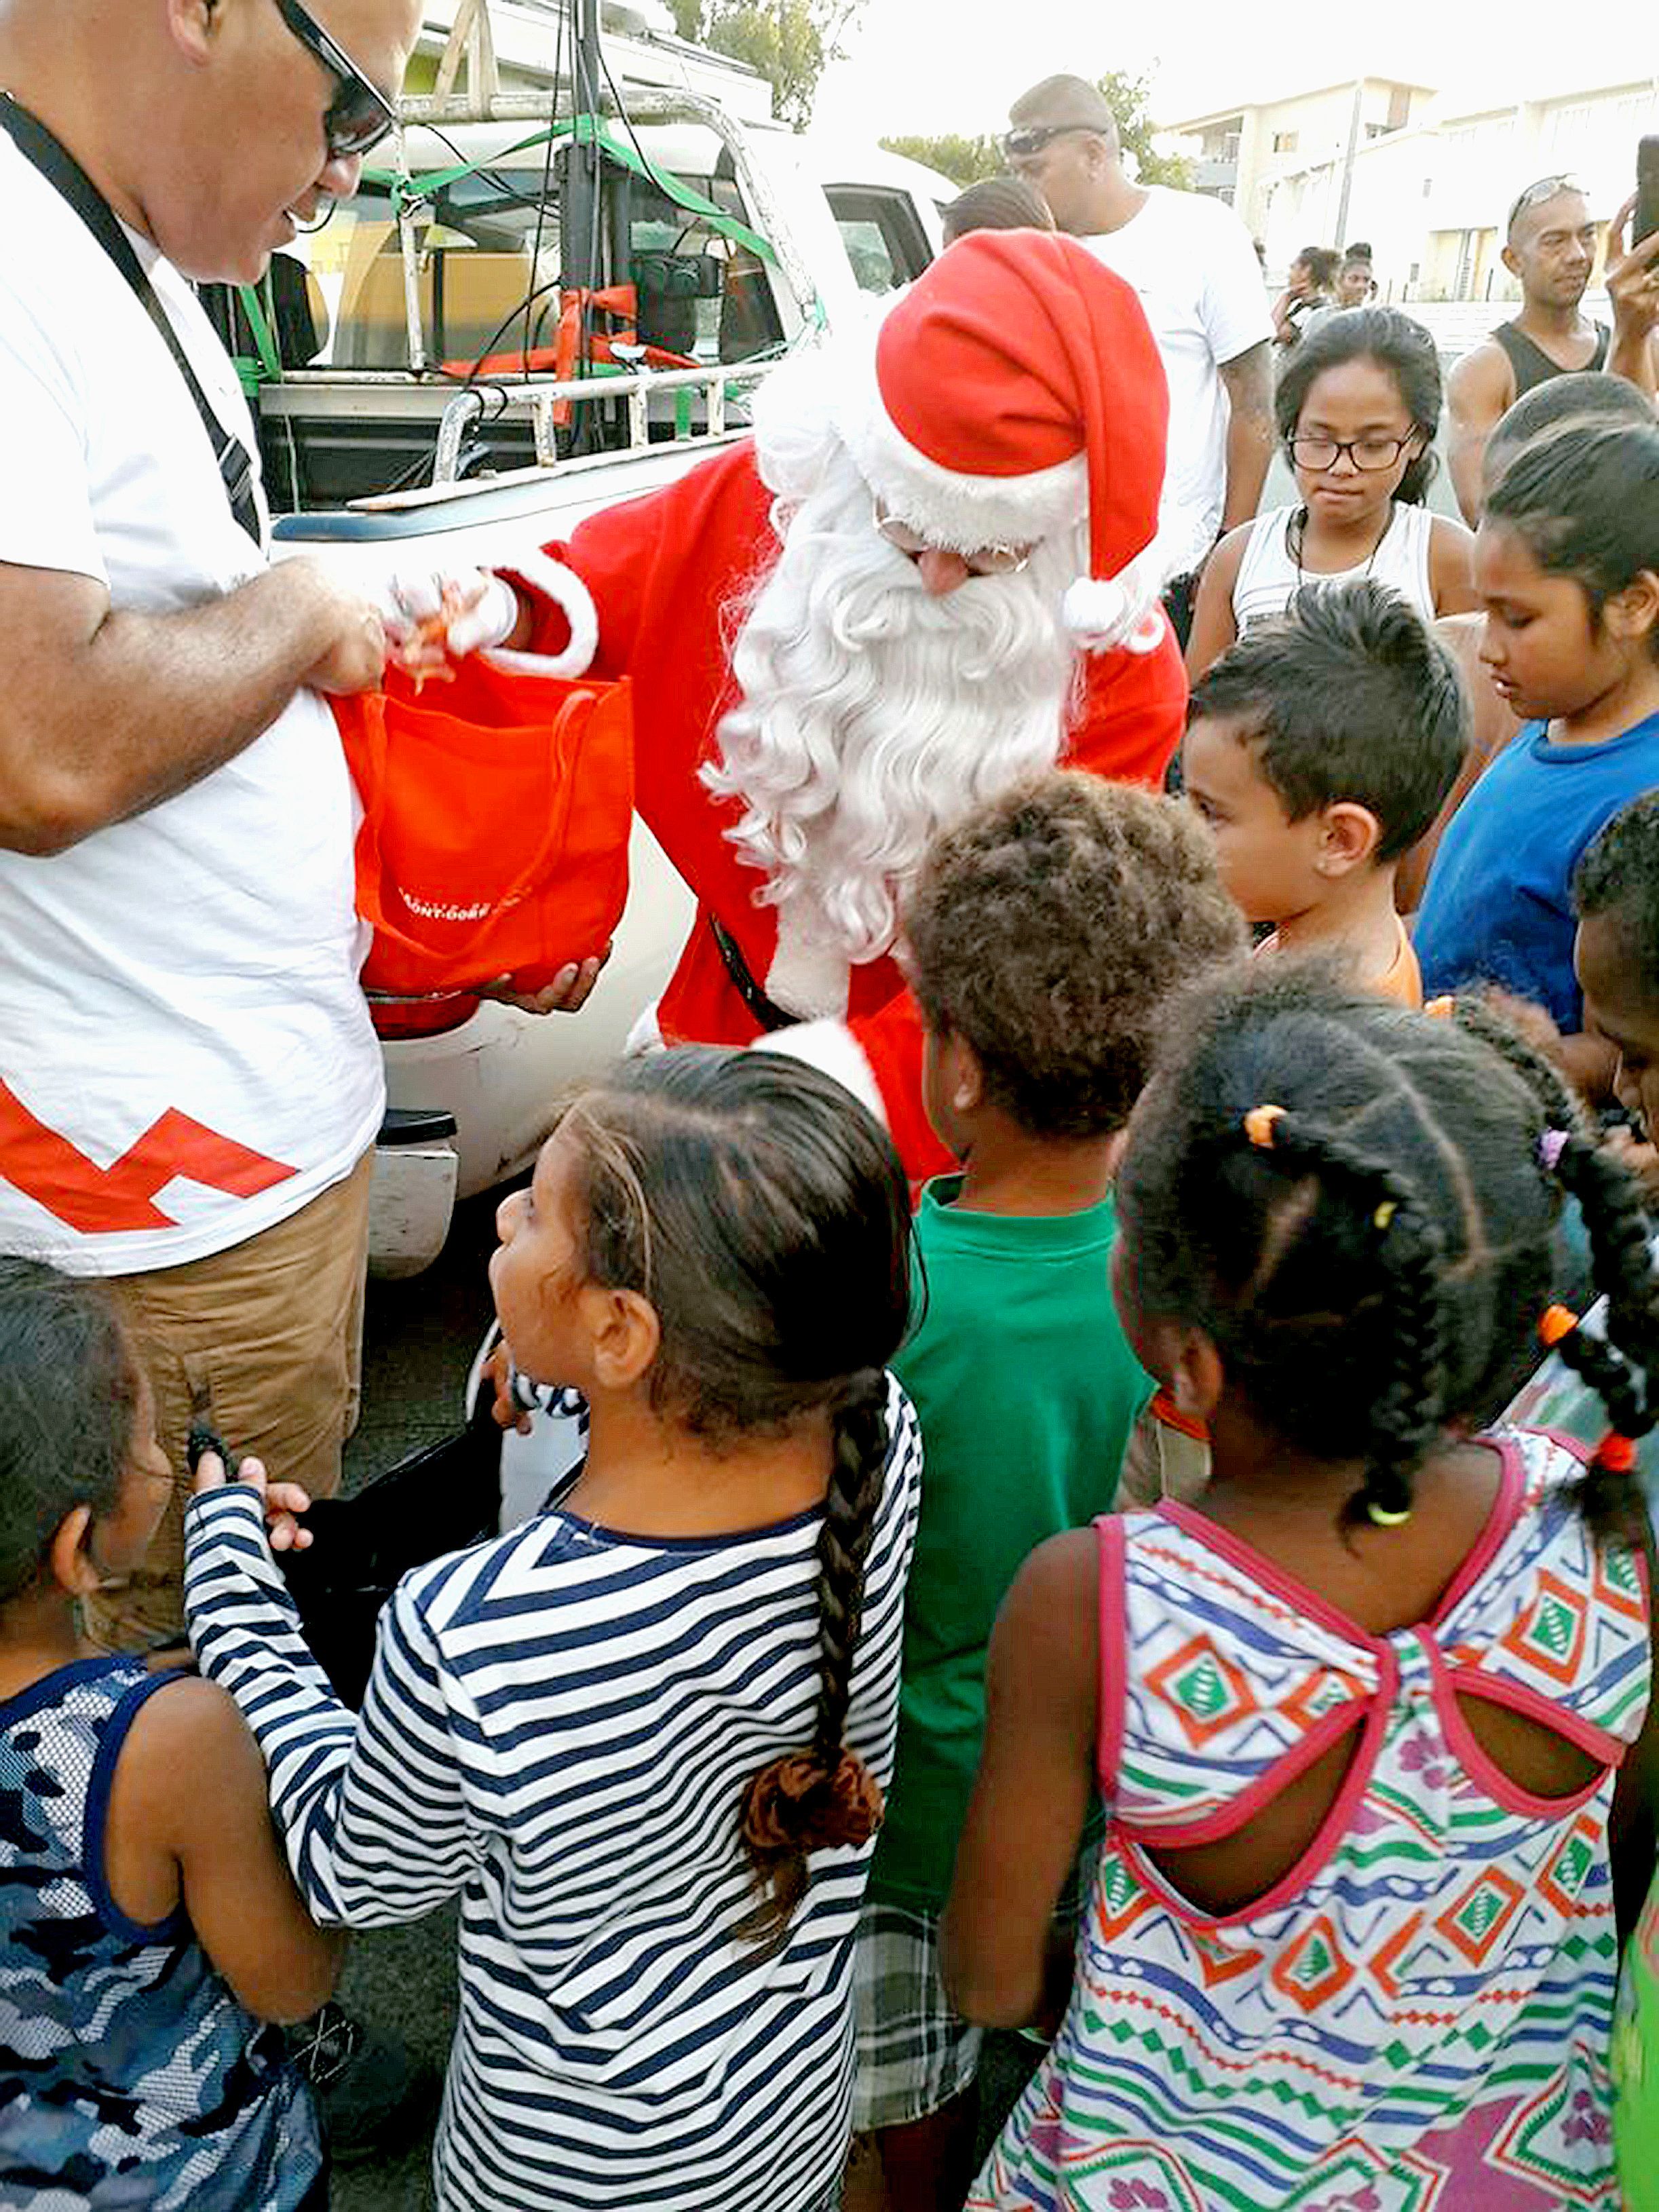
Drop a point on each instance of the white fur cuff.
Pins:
(831, 1048)
(552, 579)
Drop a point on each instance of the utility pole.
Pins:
(1348, 163)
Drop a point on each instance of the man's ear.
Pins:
(1196, 1374)
(1507, 257)
(1633, 613)
(962, 1076)
(1349, 836)
(624, 1331)
(68, 1555)
(194, 25)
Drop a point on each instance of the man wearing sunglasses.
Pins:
(1191, 261)
(190, 1088)
(1550, 247)
(188, 1080)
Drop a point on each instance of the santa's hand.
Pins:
(567, 994)
(280, 1502)
(434, 614)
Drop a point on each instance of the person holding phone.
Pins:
(1552, 250)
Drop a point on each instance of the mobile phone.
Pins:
(204, 1439)
(1647, 191)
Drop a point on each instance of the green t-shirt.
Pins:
(1027, 1392)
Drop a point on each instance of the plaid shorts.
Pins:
(913, 2053)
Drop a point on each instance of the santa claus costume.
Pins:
(808, 710)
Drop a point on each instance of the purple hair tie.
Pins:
(1551, 1145)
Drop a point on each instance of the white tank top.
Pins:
(1267, 575)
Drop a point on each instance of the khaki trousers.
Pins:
(262, 1342)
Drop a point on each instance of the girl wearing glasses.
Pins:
(1357, 408)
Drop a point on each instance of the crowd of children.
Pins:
(829, 1714)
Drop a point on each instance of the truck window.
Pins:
(489, 255)
(882, 235)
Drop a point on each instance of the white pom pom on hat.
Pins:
(1013, 392)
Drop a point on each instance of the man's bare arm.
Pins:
(106, 714)
(1633, 290)
(1479, 390)
(1249, 377)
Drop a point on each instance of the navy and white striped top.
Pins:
(560, 1726)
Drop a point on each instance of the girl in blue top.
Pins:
(146, 1929)
(1567, 566)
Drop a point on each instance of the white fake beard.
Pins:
(873, 714)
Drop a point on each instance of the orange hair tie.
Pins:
(1556, 1323)
(1440, 1010)
(1259, 1126)
(1616, 1454)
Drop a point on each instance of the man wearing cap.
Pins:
(1550, 246)
(1191, 261)
(926, 576)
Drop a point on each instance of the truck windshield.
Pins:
(489, 254)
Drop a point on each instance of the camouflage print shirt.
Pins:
(129, 2075)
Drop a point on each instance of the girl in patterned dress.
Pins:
(1357, 1715)
(644, 1735)
(147, 1929)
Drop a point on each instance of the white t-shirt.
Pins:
(1191, 260)
(1268, 574)
(186, 1057)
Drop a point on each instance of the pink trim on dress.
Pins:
(1329, 1835)
(1114, 1648)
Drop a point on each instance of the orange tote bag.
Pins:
(496, 814)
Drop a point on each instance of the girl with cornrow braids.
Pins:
(1358, 1716)
(646, 1735)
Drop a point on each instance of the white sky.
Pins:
(935, 65)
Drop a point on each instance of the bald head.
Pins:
(1062, 140)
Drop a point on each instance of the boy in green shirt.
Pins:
(1044, 937)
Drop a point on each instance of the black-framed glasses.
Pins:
(1367, 454)
(984, 560)
(1028, 138)
(360, 115)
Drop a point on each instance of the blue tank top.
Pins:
(129, 2075)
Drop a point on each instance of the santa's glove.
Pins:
(453, 610)
(475, 611)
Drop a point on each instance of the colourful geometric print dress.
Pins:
(1416, 2017)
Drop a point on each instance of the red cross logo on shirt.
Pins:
(47, 1168)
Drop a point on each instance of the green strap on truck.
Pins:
(586, 129)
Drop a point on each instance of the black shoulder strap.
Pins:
(65, 174)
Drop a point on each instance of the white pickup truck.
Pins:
(408, 398)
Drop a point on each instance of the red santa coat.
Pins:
(663, 572)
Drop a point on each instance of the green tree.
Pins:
(966, 159)
(792, 42)
(1127, 96)
(963, 160)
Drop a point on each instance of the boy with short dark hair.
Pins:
(1043, 936)
(1319, 749)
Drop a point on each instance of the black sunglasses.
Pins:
(360, 114)
(1032, 138)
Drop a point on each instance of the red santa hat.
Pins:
(1015, 390)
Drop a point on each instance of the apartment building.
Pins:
(1431, 187)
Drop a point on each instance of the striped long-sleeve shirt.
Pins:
(560, 1726)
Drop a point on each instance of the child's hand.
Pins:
(281, 1501)
(498, 1375)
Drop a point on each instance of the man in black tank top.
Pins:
(1551, 248)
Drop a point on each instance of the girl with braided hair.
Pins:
(1357, 1715)
(645, 1734)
